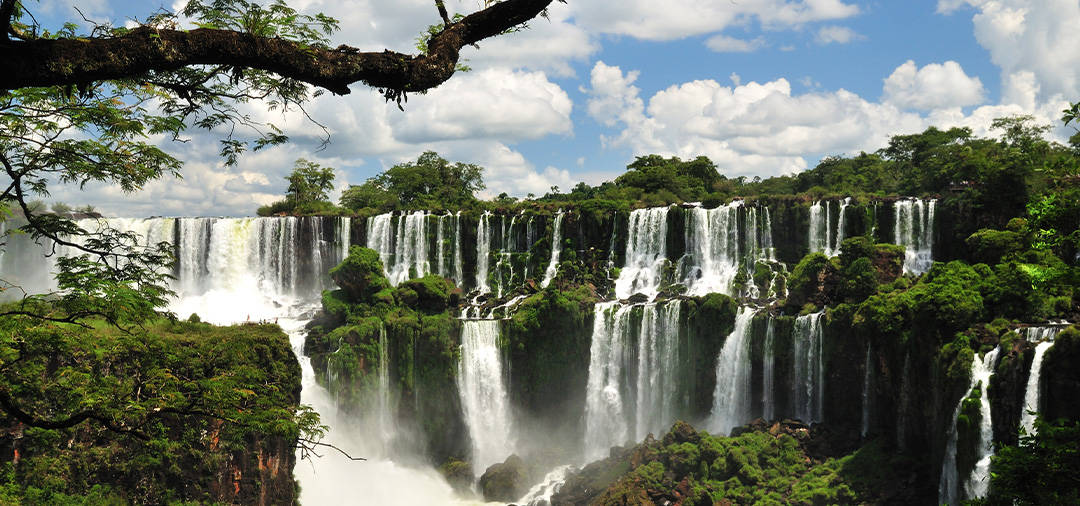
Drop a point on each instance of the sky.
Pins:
(761, 87)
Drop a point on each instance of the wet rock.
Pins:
(505, 482)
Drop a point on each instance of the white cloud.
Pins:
(836, 35)
(1035, 37)
(764, 129)
(934, 86)
(495, 103)
(725, 44)
(613, 97)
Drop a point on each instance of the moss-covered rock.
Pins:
(360, 275)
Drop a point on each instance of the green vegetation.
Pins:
(430, 183)
(413, 327)
(308, 192)
(761, 466)
(1040, 470)
(151, 416)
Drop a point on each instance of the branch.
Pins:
(308, 446)
(442, 12)
(72, 61)
(7, 404)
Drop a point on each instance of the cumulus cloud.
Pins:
(1024, 37)
(934, 86)
(764, 129)
(836, 35)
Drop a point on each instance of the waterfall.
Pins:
(949, 486)
(226, 268)
(809, 374)
(1040, 334)
(1031, 392)
(823, 237)
(540, 494)
(646, 252)
(459, 277)
(979, 481)
(712, 249)
(385, 413)
(440, 255)
(766, 239)
(731, 399)
(556, 249)
(657, 368)
(768, 378)
(867, 377)
(617, 410)
(403, 249)
(839, 237)
(605, 419)
(820, 231)
(483, 393)
(483, 252)
(914, 230)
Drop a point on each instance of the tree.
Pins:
(309, 182)
(428, 183)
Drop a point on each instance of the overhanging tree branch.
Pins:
(37, 62)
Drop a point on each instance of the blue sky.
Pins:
(763, 87)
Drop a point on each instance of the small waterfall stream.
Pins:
(950, 486)
(768, 379)
(1031, 392)
(556, 249)
(808, 380)
(978, 483)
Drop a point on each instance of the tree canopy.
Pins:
(428, 183)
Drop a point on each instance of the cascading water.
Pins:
(979, 481)
(820, 231)
(605, 417)
(385, 410)
(731, 399)
(712, 249)
(556, 249)
(768, 379)
(617, 409)
(657, 369)
(808, 380)
(1031, 392)
(914, 230)
(646, 253)
(838, 238)
(483, 393)
(823, 237)
(483, 252)
(459, 276)
(949, 486)
(404, 249)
